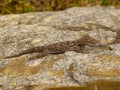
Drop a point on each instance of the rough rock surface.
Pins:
(23, 31)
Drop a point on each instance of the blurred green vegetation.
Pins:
(22, 6)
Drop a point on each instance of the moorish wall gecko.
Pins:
(59, 47)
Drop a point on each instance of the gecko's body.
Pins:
(60, 47)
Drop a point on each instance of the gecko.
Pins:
(77, 45)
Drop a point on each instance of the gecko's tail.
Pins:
(12, 56)
(31, 50)
(17, 55)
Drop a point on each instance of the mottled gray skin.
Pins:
(60, 47)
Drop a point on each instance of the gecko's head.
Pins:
(87, 40)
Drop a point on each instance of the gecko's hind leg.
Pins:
(38, 55)
(81, 49)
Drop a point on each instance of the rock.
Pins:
(99, 63)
